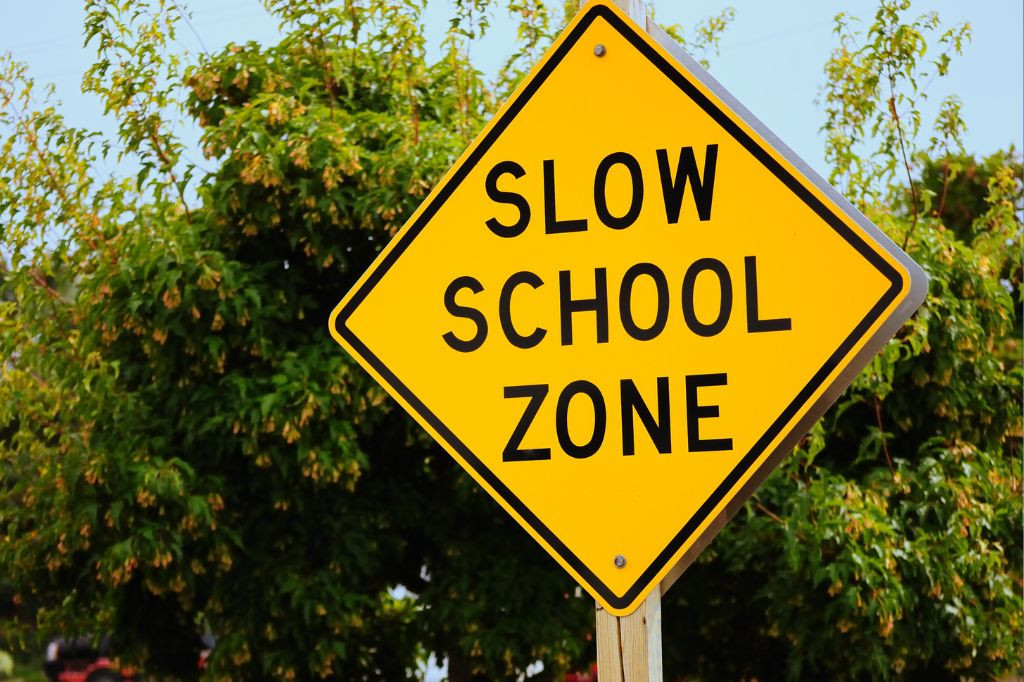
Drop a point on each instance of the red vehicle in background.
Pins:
(589, 676)
(78, 660)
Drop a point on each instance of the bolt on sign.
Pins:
(624, 303)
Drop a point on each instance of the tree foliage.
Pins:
(184, 448)
(888, 545)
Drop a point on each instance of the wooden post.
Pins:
(634, 8)
(629, 647)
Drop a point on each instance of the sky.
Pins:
(771, 57)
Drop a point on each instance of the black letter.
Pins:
(505, 312)
(695, 412)
(519, 201)
(562, 419)
(660, 431)
(686, 169)
(599, 304)
(457, 310)
(601, 197)
(553, 225)
(695, 325)
(626, 298)
(754, 323)
(512, 452)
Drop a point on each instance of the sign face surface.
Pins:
(623, 305)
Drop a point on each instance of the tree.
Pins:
(185, 449)
(888, 545)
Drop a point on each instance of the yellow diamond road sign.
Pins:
(624, 304)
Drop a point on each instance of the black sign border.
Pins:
(834, 221)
